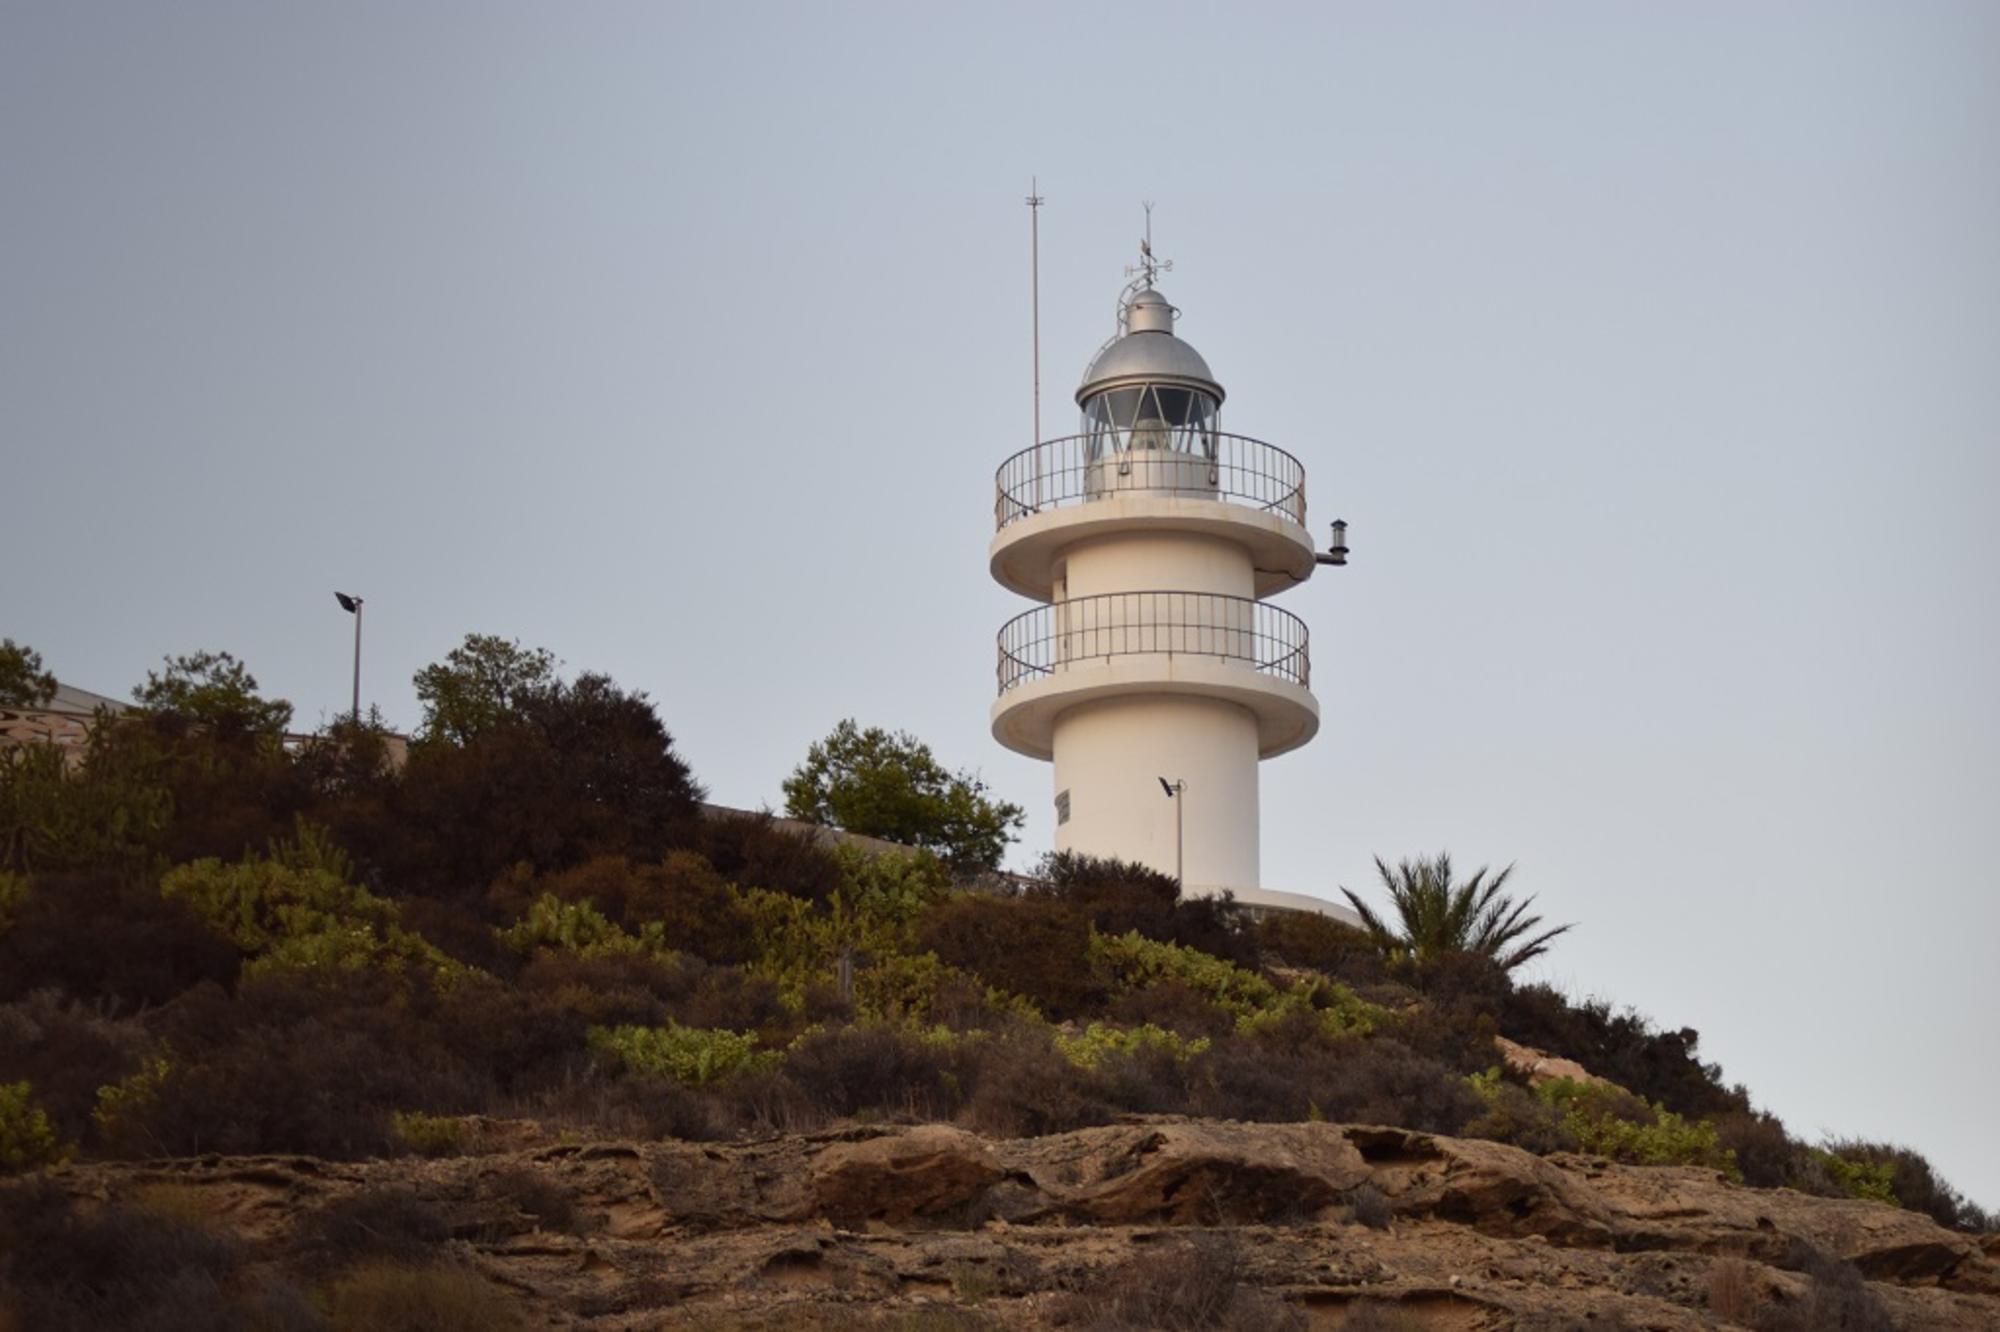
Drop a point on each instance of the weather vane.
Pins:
(1148, 267)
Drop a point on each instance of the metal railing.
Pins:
(1080, 468)
(1049, 639)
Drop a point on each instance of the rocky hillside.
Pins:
(1151, 1222)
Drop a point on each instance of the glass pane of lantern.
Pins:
(1176, 405)
(1121, 406)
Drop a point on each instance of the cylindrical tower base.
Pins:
(1110, 755)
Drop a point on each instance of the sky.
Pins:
(1650, 352)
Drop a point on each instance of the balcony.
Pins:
(1063, 491)
(1250, 633)
(1207, 644)
(1079, 469)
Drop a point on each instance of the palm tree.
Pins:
(1439, 916)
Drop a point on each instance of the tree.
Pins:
(890, 786)
(1439, 917)
(478, 684)
(212, 689)
(566, 772)
(23, 682)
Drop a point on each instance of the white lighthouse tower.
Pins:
(1155, 674)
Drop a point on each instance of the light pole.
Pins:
(1175, 790)
(352, 605)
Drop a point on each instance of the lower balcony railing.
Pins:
(1083, 630)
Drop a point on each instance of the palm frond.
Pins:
(1437, 916)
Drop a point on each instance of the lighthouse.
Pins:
(1155, 673)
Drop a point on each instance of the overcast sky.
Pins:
(1653, 354)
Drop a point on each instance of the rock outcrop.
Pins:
(1349, 1224)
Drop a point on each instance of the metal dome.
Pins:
(1149, 354)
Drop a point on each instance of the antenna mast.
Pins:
(1035, 290)
(1035, 305)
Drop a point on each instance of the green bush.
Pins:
(1099, 1043)
(430, 1135)
(1860, 1178)
(1131, 962)
(1516, 1116)
(108, 814)
(693, 1056)
(122, 1106)
(256, 903)
(294, 911)
(1608, 1121)
(27, 1140)
(360, 946)
(918, 989)
(1333, 1009)
(573, 927)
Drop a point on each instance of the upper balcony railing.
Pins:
(1086, 630)
(1080, 468)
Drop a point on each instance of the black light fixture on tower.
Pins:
(352, 605)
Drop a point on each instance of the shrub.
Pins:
(1837, 1299)
(1516, 1116)
(692, 1056)
(301, 915)
(255, 903)
(696, 909)
(1119, 897)
(1098, 1043)
(298, 1062)
(1373, 1081)
(123, 1106)
(1308, 939)
(100, 937)
(1624, 1047)
(1132, 961)
(550, 1205)
(460, 932)
(67, 1052)
(1331, 1009)
(430, 1135)
(377, 1223)
(1766, 1155)
(1191, 1285)
(1611, 1122)
(1027, 946)
(919, 990)
(1019, 1085)
(1172, 1004)
(1887, 1173)
(574, 927)
(882, 896)
(1367, 1206)
(27, 1139)
(872, 1069)
(108, 816)
(752, 851)
(391, 1297)
(13, 892)
(645, 1108)
(110, 1266)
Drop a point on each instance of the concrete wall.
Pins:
(1148, 561)
(1110, 755)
